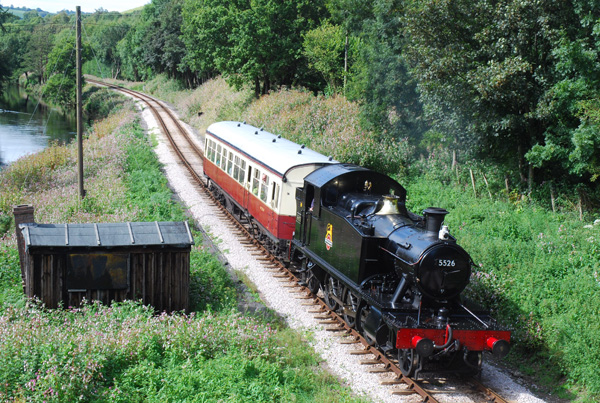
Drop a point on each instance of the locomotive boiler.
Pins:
(397, 277)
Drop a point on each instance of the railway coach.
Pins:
(255, 174)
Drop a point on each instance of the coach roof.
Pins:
(275, 152)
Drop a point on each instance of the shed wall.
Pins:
(159, 278)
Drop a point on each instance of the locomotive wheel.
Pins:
(472, 359)
(311, 281)
(329, 288)
(408, 360)
(350, 304)
(361, 318)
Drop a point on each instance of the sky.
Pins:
(87, 6)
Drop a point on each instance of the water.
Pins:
(22, 133)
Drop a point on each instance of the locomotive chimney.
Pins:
(434, 217)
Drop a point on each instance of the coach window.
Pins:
(224, 159)
(218, 158)
(236, 169)
(264, 187)
(209, 150)
(213, 150)
(230, 163)
(242, 171)
(255, 182)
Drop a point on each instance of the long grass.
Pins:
(127, 352)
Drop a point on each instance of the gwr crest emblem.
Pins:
(329, 237)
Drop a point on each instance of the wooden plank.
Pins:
(360, 352)
(369, 362)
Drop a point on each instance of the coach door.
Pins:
(264, 196)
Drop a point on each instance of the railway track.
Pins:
(190, 155)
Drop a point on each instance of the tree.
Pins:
(154, 44)
(60, 74)
(3, 18)
(39, 46)
(206, 32)
(105, 38)
(324, 49)
(490, 74)
(379, 77)
(257, 42)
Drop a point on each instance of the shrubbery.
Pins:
(128, 353)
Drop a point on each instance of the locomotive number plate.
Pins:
(446, 262)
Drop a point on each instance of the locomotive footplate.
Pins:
(459, 333)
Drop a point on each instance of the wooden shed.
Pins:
(148, 261)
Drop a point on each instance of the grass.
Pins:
(128, 352)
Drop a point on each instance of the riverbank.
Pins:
(126, 352)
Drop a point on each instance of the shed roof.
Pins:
(104, 235)
(273, 151)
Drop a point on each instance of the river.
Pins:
(26, 127)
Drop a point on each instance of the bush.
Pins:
(329, 125)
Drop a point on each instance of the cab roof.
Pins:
(348, 178)
(276, 153)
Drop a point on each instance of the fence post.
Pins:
(487, 185)
(473, 182)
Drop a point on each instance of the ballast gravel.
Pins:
(336, 357)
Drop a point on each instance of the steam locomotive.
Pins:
(397, 277)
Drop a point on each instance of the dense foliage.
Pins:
(512, 82)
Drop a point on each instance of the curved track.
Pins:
(191, 155)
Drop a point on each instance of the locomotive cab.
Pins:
(332, 220)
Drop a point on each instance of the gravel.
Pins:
(336, 358)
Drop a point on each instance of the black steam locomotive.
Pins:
(395, 276)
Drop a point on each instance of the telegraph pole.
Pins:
(79, 107)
